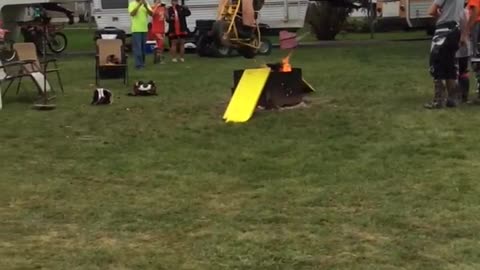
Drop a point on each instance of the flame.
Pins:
(286, 67)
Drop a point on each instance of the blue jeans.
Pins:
(138, 45)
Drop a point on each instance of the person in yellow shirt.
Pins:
(139, 11)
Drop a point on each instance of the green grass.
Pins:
(384, 36)
(363, 179)
(80, 40)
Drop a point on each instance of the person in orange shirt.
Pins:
(158, 28)
(463, 59)
(473, 32)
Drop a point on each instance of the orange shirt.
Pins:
(475, 3)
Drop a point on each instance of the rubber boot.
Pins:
(157, 56)
(477, 78)
(452, 92)
(438, 96)
(476, 101)
(464, 87)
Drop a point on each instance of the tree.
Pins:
(326, 17)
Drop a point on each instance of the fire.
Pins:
(286, 67)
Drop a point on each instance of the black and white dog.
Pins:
(144, 89)
(102, 96)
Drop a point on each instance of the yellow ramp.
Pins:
(246, 95)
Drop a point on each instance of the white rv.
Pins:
(412, 13)
(275, 14)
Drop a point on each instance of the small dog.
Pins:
(112, 60)
(144, 89)
(102, 96)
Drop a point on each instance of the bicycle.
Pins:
(7, 53)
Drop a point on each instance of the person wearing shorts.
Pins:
(158, 27)
(463, 60)
(177, 29)
(445, 44)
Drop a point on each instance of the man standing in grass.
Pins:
(445, 44)
(463, 58)
(139, 11)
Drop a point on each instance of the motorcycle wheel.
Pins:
(7, 53)
(58, 42)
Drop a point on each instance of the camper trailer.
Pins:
(409, 13)
(276, 14)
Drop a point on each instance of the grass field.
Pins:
(80, 40)
(363, 179)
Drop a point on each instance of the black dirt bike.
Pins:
(34, 32)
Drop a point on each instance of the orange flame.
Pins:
(286, 67)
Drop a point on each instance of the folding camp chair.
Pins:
(27, 52)
(6, 76)
(105, 69)
(15, 71)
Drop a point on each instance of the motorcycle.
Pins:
(56, 40)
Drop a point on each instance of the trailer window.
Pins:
(114, 4)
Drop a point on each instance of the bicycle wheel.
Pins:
(7, 53)
(57, 42)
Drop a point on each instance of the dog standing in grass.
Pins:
(445, 44)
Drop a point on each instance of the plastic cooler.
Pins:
(150, 46)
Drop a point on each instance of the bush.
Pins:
(326, 20)
(356, 25)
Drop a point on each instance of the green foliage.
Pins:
(356, 25)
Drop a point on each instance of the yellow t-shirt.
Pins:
(140, 20)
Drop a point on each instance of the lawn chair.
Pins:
(105, 68)
(27, 52)
(15, 71)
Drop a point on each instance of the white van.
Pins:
(276, 14)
